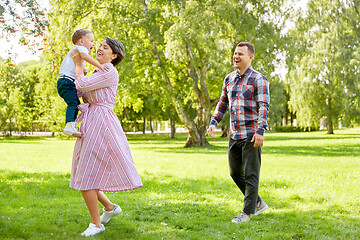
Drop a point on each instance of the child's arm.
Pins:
(92, 61)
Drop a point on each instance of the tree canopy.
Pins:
(178, 53)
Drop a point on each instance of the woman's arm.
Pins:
(100, 79)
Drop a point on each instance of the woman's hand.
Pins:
(75, 55)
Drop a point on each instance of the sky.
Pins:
(22, 52)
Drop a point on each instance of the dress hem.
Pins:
(109, 189)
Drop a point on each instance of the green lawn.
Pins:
(309, 180)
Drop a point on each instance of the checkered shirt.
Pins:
(247, 97)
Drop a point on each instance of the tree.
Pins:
(24, 19)
(169, 52)
(26, 109)
(278, 109)
(322, 84)
(8, 97)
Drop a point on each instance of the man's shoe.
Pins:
(242, 217)
(262, 207)
(92, 230)
(107, 215)
(70, 129)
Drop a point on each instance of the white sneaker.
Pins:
(107, 215)
(71, 130)
(242, 217)
(92, 230)
(262, 207)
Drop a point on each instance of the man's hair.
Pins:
(78, 34)
(118, 48)
(250, 47)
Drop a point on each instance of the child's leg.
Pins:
(68, 92)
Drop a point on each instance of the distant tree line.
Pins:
(178, 53)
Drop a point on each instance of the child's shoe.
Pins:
(71, 130)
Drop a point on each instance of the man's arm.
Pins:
(262, 98)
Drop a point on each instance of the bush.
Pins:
(295, 129)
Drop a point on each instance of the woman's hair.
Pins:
(117, 48)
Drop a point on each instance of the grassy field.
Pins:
(309, 180)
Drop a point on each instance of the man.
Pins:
(246, 94)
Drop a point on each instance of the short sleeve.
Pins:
(81, 49)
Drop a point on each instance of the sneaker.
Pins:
(242, 217)
(107, 215)
(262, 207)
(92, 230)
(70, 129)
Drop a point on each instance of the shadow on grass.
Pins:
(42, 206)
(25, 139)
(300, 150)
(325, 151)
(310, 137)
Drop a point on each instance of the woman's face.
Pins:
(104, 54)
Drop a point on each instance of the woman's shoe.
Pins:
(107, 215)
(92, 230)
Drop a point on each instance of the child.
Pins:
(84, 42)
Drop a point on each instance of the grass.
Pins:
(309, 180)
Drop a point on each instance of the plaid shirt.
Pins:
(247, 96)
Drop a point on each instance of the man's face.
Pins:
(88, 41)
(242, 58)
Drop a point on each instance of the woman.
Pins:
(102, 159)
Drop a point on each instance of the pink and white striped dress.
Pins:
(102, 158)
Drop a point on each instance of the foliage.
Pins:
(172, 59)
(295, 129)
(27, 98)
(322, 74)
(24, 19)
(174, 67)
(310, 184)
(278, 103)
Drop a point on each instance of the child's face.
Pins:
(88, 41)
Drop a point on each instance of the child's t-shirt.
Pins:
(68, 66)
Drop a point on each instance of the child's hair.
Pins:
(78, 34)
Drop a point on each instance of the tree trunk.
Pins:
(172, 126)
(151, 126)
(330, 129)
(330, 116)
(196, 139)
(144, 125)
(225, 130)
(197, 127)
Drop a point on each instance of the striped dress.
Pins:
(102, 159)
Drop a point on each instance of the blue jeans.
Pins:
(67, 90)
(244, 165)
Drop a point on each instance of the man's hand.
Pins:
(258, 139)
(211, 131)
